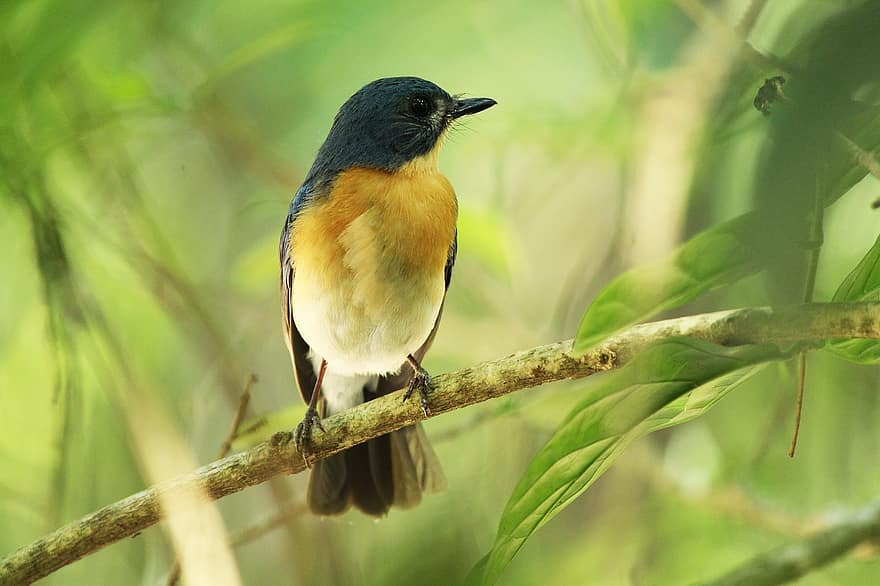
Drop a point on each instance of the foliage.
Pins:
(669, 383)
(148, 152)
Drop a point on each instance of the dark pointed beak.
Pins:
(471, 106)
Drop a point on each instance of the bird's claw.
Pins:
(421, 382)
(302, 437)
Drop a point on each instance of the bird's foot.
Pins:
(303, 436)
(421, 382)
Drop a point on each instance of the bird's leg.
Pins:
(303, 435)
(421, 382)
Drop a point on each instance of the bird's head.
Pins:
(389, 123)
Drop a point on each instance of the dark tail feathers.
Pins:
(392, 470)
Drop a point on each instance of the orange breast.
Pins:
(395, 225)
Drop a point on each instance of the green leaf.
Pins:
(862, 284)
(669, 383)
(713, 258)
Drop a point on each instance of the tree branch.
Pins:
(453, 391)
(792, 561)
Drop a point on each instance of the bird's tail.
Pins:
(391, 470)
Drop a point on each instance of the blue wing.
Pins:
(450, 260)
(296, 345)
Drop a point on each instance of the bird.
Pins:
(366, 253)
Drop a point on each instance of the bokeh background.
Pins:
(148, 153)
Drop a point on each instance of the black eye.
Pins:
(420, 106)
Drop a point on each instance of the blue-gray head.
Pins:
(388, 123)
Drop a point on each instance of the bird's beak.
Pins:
(471, 106)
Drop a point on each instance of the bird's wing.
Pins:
(388, 384)
(299, 349)
(450, 262)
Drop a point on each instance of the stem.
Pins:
(816, 238)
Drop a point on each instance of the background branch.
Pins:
(455, 390)
(794, 560)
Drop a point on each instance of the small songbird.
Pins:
(366, 258)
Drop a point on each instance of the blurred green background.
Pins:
(148, 153)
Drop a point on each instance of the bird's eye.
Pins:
(420, 106)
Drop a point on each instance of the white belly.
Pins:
(363, 324)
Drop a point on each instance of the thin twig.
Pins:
(799, 402)
(715, 25)
(276, 521)
(526, 369)
(864, 158)
(817, 237)
(267, 525)
(173, 573)
(239, 416)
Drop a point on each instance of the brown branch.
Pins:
(453, 391)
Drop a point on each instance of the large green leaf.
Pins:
(862, 284)
(667, 384)
(808, 155)
(716, 257)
